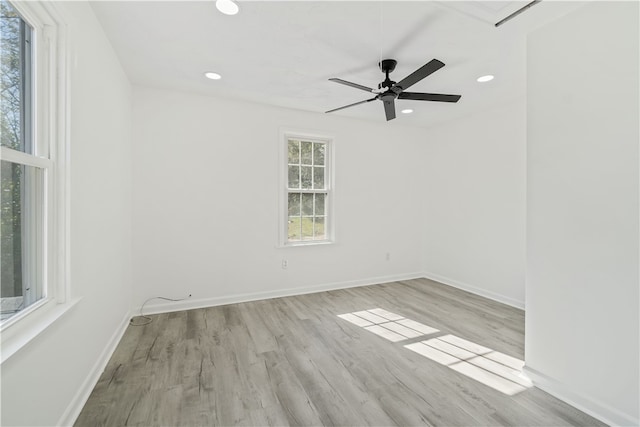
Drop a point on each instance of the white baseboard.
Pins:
(474, 290)
(190, 304)
(77, 403)
(593, 407)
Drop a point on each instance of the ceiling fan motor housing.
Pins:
(388, 65)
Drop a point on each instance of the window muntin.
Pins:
(308, 190)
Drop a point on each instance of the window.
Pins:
(308, 190)
(32, 150)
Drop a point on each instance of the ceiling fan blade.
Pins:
(419, 74)
(356, 85)
(438, 97)
(389, 109)
(351, 105)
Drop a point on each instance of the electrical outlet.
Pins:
(285, 264)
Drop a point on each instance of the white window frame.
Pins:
(50, 130)
(283, 193)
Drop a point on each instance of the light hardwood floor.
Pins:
(292, 361)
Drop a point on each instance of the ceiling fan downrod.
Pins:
(387, 66)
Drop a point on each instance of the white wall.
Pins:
(206, 201)
(204, 225)
(474, 203)
(45, 377)
(582, 209)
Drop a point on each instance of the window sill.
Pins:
(32, 325)
(307, 243)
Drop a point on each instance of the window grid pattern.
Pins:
(307, 190)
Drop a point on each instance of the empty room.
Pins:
(353, 213)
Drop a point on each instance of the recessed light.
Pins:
(212, 75)
(407, 111)
(228, 7)
(484, 79)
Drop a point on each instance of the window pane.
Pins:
(306, 149)
(21, 198)
(306, 172)
(318, 153)
(294, 233)
(318, 229)
(308, 189)
(318, 177)
(294, 204)
(15, 64)
(294, 151)
(294, 177)
(319, 206)
(307, 204)
(307, 228)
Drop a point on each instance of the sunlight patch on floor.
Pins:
(494, 369)
(387, 325)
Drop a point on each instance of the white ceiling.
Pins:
(282, 52)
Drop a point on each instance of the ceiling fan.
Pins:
(388, 90)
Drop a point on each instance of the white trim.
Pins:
(306, 243)
(586, 404)
(15, 318)
(60, 141)
(284, 135)
(50, 95)
(37, 14)
(38, 320)
(21, 158)
(77, 403)
(475, 290)
(191, 304)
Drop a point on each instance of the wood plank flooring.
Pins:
(292, 361)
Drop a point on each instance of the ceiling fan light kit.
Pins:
(388, 90)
